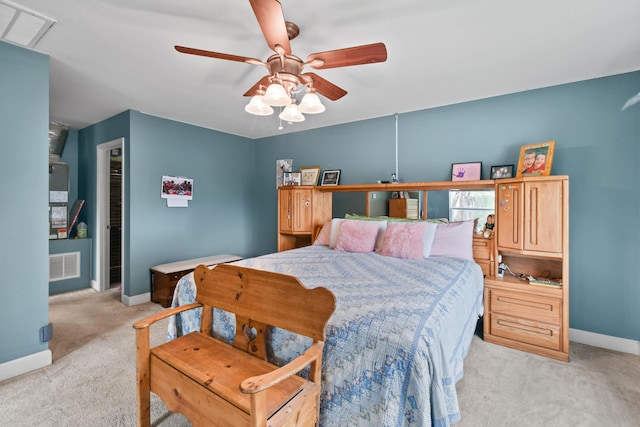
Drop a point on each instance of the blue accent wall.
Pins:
(24, 122)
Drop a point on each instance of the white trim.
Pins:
(95, 285)
(25, 364)
(136, 299)
(605, 341)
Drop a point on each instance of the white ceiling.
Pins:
(107, 56)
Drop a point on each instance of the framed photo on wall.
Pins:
(309, 175)
(536, 159)
(331, 177)
(471, 171)
(502, 171)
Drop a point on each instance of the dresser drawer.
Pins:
(521, 305)
(525, 331)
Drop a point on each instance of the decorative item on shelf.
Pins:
(330, 177)
(536, 159)
(291, 178)
(310, 175)
(502, 171)
(471, 171)
(282, 166)
(489, 226)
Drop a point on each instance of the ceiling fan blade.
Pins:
(366, 54)
(258, 88)
(271, 20)
(199, 52)
(325, 87)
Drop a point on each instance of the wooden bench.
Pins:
(164, 277)
(216, 384)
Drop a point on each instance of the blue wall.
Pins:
(597, 145)
(234, 207)
(24, 122)
(218, 219)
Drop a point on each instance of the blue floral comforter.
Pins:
(396, 342)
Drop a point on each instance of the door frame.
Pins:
(103, 157)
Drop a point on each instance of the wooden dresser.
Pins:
(532, 237)
(164, 277)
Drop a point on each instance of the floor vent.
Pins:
(64, 266)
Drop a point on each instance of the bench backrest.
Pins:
(259, 299)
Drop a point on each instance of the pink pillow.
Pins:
(454, 239)
(357, 236)
(323, 235)
(404, 240)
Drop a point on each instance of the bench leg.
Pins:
(143, 386)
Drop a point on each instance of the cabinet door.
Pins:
(509, 216)
(284, 210)
(302, 210)
(543, 219)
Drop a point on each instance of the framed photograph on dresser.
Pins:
(502, 171)
(331, 177)
(471, 171)
(309, 175)
(536, 159)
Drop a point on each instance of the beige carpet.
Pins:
(92, 379)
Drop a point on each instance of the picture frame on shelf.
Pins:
(291, 179)
(536, 159)
(470, 171)
(502, 171)
(330, 177)
(309, 175)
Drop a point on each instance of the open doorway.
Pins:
(109, 215)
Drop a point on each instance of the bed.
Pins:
(396, 342)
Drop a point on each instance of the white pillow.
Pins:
(429, 237)
(335, 229)
(454, 239)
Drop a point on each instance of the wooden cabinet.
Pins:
(532, 239)
(403, 208)
(483, 253)
(300, 210)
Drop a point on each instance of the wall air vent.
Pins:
(64, 266)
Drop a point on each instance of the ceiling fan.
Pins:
(285, 69)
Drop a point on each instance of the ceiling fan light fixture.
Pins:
(311, 104)
(291, 113)
(276, 96)
(257, 107)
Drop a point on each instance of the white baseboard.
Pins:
(136, 299)
(605, 341)
(20, 366)
(95, 285)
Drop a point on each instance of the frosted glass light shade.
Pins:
(291, 114)
(276, 96)
(257, 107)
(311, 104)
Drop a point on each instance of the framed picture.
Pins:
(471, 171)
(536, 159)
(331, 177)
(176, 187)
(291, 178)
(502, 171)
(310, 175)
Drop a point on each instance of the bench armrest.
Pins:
(262, 382)
(150, 320)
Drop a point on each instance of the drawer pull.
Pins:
(540, 331)
(526, 303)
